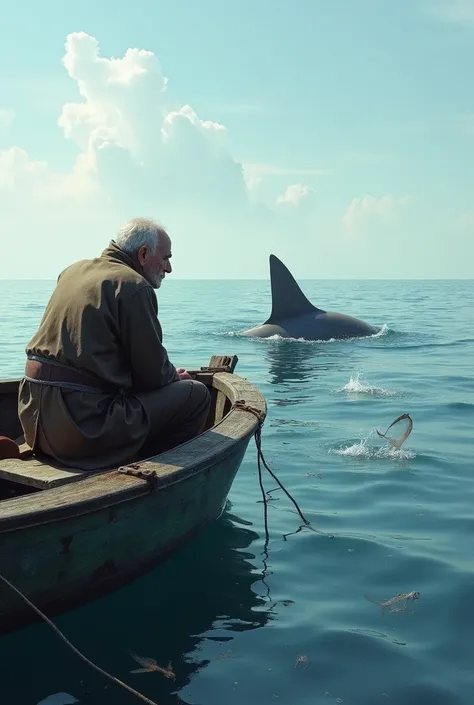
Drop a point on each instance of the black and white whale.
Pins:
(293, 316)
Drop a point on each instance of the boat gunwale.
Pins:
(105, 488)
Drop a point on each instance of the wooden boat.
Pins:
(68, 536)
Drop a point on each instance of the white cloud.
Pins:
(127, 116)
(370, 211)
(140, 152)
(7, 115)
(294, 195)
(22, 176)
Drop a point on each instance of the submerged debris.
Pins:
(304, 660)
(149, 665)
(400, 597)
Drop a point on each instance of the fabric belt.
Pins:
(54, 374)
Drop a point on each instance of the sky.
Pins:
(337, 135)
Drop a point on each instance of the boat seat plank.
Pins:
(32, 472)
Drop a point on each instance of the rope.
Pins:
(76, 651)
(240, 404)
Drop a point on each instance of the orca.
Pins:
(294, 316)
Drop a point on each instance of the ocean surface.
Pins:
(296, 627)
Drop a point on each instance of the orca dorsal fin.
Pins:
(287, 298)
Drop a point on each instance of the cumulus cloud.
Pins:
(294, 195)
(19, 174)
(127, 117)
(170, 154)
(370, 211)
(297, 202)
(255, 173)
(140, 151)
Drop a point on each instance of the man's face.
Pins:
(156, 266)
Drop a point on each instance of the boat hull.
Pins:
(69, 538)
(62, 564)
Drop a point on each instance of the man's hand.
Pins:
(182, 373)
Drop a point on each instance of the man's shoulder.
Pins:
(102, 272)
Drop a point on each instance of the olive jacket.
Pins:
(102, 319)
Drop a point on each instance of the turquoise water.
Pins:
(401, 520)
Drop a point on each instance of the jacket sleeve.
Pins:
(142, 339)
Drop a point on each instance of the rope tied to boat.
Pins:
(243, 406)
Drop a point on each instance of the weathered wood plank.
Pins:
(229, 361)
(221, 403)
(29, 470)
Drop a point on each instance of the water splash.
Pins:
(362, 449)
(384, 330)
(357, 385)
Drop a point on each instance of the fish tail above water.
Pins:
(398, 442)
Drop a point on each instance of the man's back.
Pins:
(87, 319)
(98, 384)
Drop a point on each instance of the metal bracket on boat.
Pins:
(134, 470)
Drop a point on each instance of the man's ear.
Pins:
(142, 254)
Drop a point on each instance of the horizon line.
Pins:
(251, 279)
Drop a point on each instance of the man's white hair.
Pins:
(138, 232)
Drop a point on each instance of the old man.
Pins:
(99, 389)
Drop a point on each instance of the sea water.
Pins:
(293, 625)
